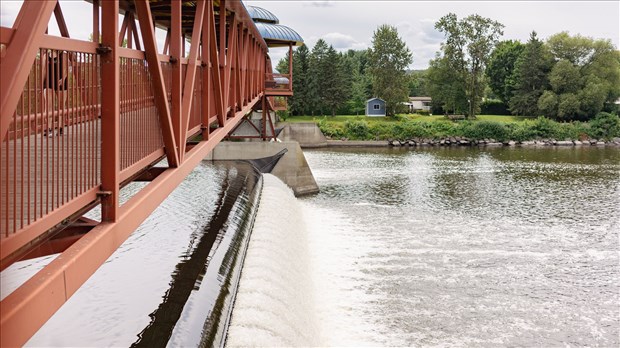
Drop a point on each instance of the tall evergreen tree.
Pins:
(318, 77)
(299, 101)
(356, 79)
(336, 91)
(388, 59)
(530, 77)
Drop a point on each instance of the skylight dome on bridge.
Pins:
(278, 35)
(259, 14)
(269, 27)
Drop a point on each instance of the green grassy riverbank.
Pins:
(501, 128)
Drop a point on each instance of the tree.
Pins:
(467, 49)
(446, 88)
(301, 62)
(317, 76)
(298, 103)
(501, 68)
(387, 60)
(418, 83)
(585, 77)
(530, 77)
(337, 84)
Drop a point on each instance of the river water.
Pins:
(467, 247)
(402, 247)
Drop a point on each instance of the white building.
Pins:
(419, 104)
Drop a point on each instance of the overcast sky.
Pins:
(350, 24)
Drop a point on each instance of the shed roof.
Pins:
(371, 99)
(259, 14)
(278, 35)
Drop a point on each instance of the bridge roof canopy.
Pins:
(260, 14)
(277, 35)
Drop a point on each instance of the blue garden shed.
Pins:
(375, 107)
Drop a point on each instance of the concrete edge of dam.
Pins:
(292, 169)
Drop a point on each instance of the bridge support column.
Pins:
(110, 112)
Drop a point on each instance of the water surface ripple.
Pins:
(469, 247)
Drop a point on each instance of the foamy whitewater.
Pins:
(275, 304)
(299, 284)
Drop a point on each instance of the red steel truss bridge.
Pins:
(82, 118)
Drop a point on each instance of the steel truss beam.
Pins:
(232, 82)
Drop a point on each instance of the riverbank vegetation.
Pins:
(501, 128)
(564, 78)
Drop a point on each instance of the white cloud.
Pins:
(342, 42)
(428, 33)
(323, 3)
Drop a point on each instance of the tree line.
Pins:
(329, 82)
(566, 77)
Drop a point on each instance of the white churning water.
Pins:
(275, 304)
(299, 284)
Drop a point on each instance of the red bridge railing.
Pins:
(81, 119)
(278, 84)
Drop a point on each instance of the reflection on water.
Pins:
(461, 246)
(173, 281)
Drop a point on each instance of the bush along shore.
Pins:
(602, 130)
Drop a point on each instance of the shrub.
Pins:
(523, 131)
(282, 115)
(605, 125)
(570, 130)
(357, 129)
(414, 129)
(544, 127)
(441, 129)
(493, 107)
(382, 131)
(484, 129)
(330, 129)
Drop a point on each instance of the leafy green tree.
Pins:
(548, 104)
(501, 68)
(564, 77)
(575, 49)
(446, 88)
(467, 49)
(418, 83)
(584, 79)
(530, 77)
(387, 60)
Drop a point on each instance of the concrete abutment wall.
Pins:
(292, 168)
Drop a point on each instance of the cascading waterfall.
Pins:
(275, 304)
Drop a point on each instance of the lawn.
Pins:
(343, 118)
